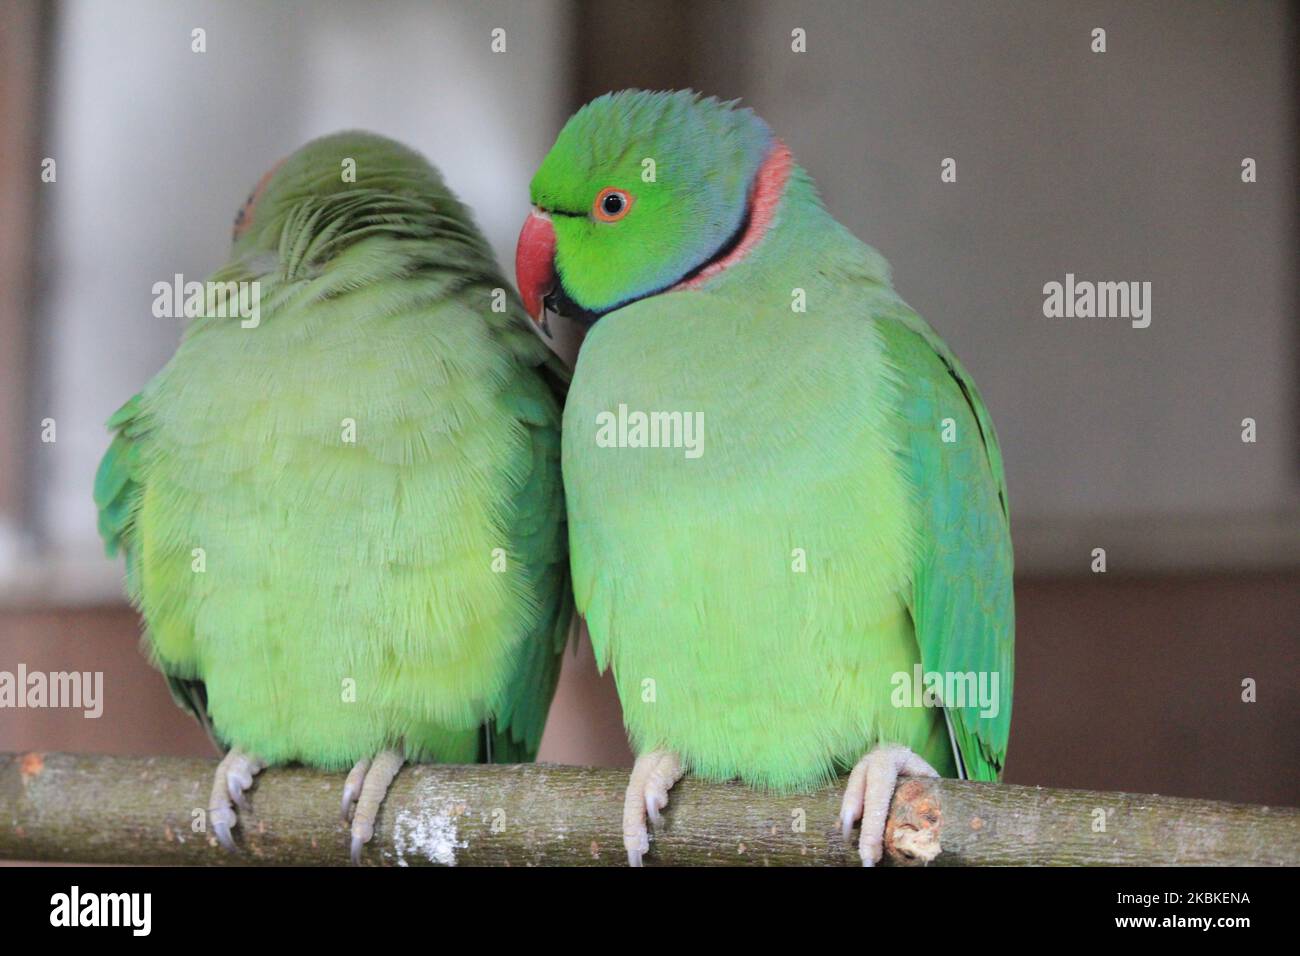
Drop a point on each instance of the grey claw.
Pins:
(236, 784)
(653, 804)
(349, 802)
(357, 844)
(221, 827)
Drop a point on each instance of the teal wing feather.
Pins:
(119, 488)
(541, 541)
(962, 602)
(516, 733)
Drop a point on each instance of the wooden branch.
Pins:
(97, 809)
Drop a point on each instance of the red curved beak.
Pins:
(535, 265)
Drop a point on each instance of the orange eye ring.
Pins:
(244, 218)
(611, 204)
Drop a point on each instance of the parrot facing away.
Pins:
(344, 524)
(766, 583)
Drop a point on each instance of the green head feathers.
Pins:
(680, 167)
(341, 188)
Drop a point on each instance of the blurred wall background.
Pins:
(1123, 165)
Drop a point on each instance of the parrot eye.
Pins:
(612, 204)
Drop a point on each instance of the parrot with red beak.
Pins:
(789, 532)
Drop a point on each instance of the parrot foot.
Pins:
(870, 791)
(376, 776)
(653, 776)
(352, 788)
(234, 775)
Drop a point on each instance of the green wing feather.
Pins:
(119, 489)
(962, 607)
(117, 492)
(540, 536)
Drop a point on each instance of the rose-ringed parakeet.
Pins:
(784, 491)
(343, 519)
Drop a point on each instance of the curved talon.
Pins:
(362, 831)
(222, 820)
(654, 802)
(234, 775)
(236, 784)
(653, 776)
(635, 855)
(352, 788)
(376, 776)
(847, 820)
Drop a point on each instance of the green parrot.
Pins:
(788, 518)
(340, 504)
